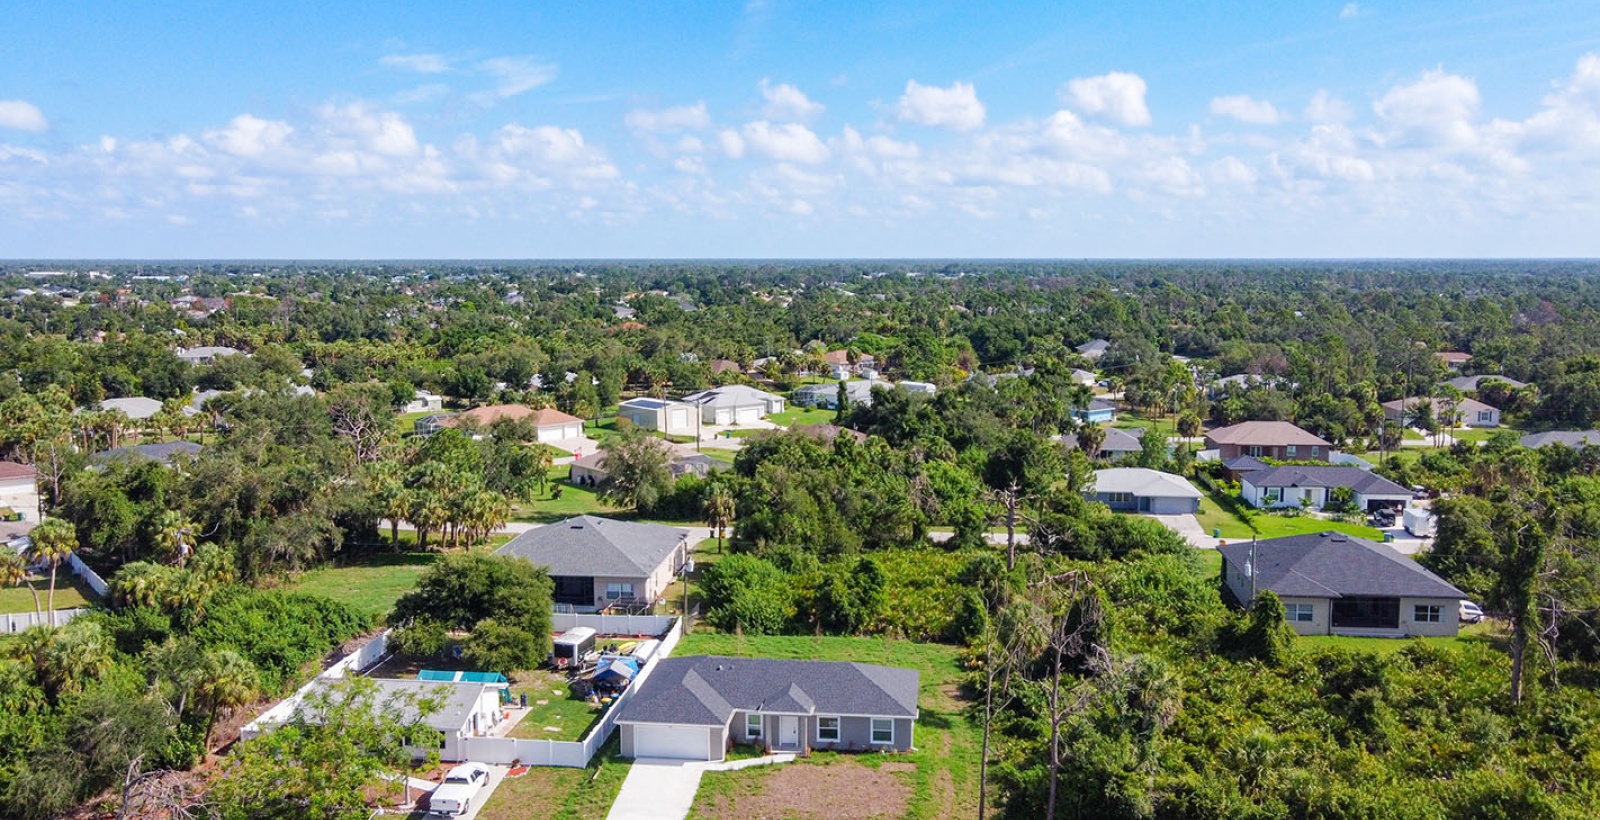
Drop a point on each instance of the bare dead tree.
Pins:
(1011, 499)
(1072, 630)
(1004, 652)
(155, 793)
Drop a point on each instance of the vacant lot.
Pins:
(939, 779)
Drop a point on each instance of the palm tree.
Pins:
(14, 572)
(719, 510)
(77, 652)
(227, 681)
(54, 540)
(142, 583)
(175, 536)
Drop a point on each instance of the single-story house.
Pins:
(1576, 439)
(926, 388)
(466, 709)
(551, 426)
(1278, 440)
(1137, 489)
(431, 423)
(1289, 485)
(424, 402)
(1469, 384)
(694, 708)
(19, 491)
(1454, 359)
(735, 404)
(1093, 349)
(1470, 412)
(136, 408)
(1238, 467)
(1084, 377)
(1118, 443)
(827, 395)
(1099, 411)
(208, 354)
(591, 469)
(1336, 584)
(483, 417)
(598, 563)
(662, 415)
(724, 366)
(162, 453)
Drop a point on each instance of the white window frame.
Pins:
(1253, 450)
(838, 728)
(873, 736)
(1427, 613)
(753, 728)
(617, 590)
(1485, 415)
(1316, 451)
(1299, 613)
(1273, 495)
(1289, 451)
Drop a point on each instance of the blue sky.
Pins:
(799, 129)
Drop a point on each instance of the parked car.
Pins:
(1471, 613)
(454, 796)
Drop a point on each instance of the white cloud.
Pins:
(786, 103)
(22, 115)
(1350, 11)
(1117, 96)
(1231, 170)
(669, 120)
(517, 74)
(543, 154)
(956, 107)
(380, 132)
(1438, 109)
(1244, 108)
(248, 136)
(420, 63)
(785, 142)
(732, 144)
(1325, 108)
(1571, 115)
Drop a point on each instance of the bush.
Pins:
(503, 648)
(277, 631)
(422, 639)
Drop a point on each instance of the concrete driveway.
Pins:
(1189, 527)
(497, 775)
(657, 790)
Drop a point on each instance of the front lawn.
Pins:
(574, 500)
(71, 592)
(939, 779)
(559, 793)
(796, 414)
(1213, 516)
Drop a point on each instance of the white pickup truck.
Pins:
(461, 785)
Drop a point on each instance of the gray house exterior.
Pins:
(597, 563)
(694, 708)
(1136, 489)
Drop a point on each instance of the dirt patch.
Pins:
(839, 790)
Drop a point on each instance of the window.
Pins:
(882, 730)
(1119, 498)
(1297, 612)
(1316, 451)
(1426, 614)
(1274, 495)
(1253, 450)
(752, 726)
(616, 591)
(828, 729)
(1289, 451)
(1486, 416)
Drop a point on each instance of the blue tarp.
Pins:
(623, 668)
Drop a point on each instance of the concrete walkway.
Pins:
(1189, 527)
(659, 789)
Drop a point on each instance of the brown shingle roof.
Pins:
(1265, 434)
(549, 415)
(11, 469)
(490, 414)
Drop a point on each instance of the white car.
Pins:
(1470, 613)
(454, 796)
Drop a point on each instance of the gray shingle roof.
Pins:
(1246, 464)
(1117, 440)
(1142, 482)
(162, 452)
(707, 689)
(457, 701)
(1467, 384)
(1334, 565)
(587, 545)
(1355, 478)
(1571, 438)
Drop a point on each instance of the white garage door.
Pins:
(675, 742)
(749, 414)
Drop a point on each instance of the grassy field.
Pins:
(405, 423)
(574, 500)
(802, 415)
(370, 586)
(561, 794)
(1484, 632)
(1165, 427)
(940, 778)
(560, 716)
(71, 592)
(1213, 516)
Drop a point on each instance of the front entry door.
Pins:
(788, 730)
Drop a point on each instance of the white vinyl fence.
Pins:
(17, 622)
(89, 576)
(367, 654)
(576, 754)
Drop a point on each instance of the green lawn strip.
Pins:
(944, 781)
(559, 793)
(725, 456)
(71, 592)
(1165, 427)
(1475, 434)
(1214, 517)
(1409, 434)
(407, 422)
(802, 415)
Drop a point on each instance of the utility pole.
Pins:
(1254, 570)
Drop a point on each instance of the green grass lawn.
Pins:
(1409, 434)
(796, 414)
(561, 794)
(1213, 516)
(574, 500)
(568, 716)
(71, 593)
(1165, 427)
(1484, 632)
(369, 586)
(941, 776)
(1476, 434)
(406, 422)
